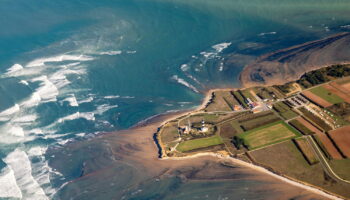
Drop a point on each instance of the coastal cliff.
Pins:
(290, 63)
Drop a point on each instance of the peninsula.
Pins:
(299, 130)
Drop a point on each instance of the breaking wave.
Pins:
(19, 162)
(59, 58)
(111, 53)
(9, 187)
(183, 82)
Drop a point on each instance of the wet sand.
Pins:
(125, 165)
(289, 64)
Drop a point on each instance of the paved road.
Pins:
(323, 161)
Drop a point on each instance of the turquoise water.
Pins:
(72, 69)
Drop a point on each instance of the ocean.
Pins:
(70, 70)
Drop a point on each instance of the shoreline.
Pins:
(305, 58)
(262, 169)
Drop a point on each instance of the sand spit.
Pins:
(289, 64)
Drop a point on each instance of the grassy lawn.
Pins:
(306, 150)
(247, 94)
(284, 110)
(341, 167)
(326, 95)
(268, 134)
(285, 158)
(301, 127)
(199, 143)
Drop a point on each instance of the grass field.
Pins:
(247, 94)
(285, 158)
(268, 134)
(284, 110)
(222, 101)
(326, 95)
(300, 127)
(341, 167)
(240, 98)
(199, 143)
(306, 150)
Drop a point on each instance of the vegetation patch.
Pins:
(246, 93)
(300, 127)
(240, 98)
(199, 143)
(341, 168)
(306, 150)
(268, 134)
(318, 121)
(326, 95)
(221, 101)
(342, 110)
(323, 75)
(284, 110)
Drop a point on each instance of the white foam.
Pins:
(193, 78)
(37, 151)
(345, 26)
(47, 90)
(73, 64)
(268, 33)
(14, 68)
(111, 97)
(25, 119)
(59, 78)
(127, 97)
(24, 82)
(103, 108)
(184, 67)
(183, 82)
(9, 187)
(208, 54)
(6, 114)
(72, 100)
(41, 170)
(220, 47)
(16, 131)
(130, 52)
(87, 100)
(10, 111)
(19, 162)
(36, 131)
(80, 134)
(221, 67)
(69, 117)
(86, 115)
(110, 53)
(34, 100)
(59, 58)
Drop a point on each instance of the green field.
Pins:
(268, 134)
(326, 95)
(199, 143)
(299, 126)
(284, 110)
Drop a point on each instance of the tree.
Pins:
(238, 142)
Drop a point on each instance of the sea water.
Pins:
(71, 69)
